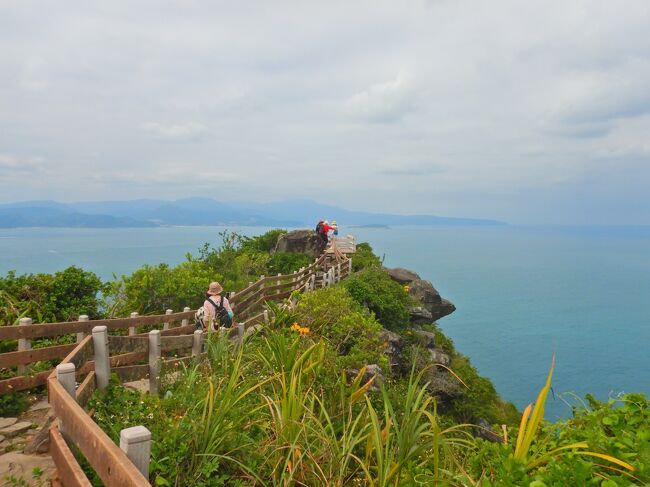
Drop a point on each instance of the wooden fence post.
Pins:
(185, 321)
(154, 361)
(65, 374)
(24, 344)
(132, 328)
(197, 344)
(82, 334)
(167, 324)
(136, 443)
(102, 363)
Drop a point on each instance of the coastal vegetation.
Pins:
(342, 388)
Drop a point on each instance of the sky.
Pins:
(527, 112)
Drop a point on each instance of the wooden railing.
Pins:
(90, 364)
(246, 303)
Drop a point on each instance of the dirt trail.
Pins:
(24, 445)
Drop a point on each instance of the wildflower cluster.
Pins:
(303, 330)
(406, 288)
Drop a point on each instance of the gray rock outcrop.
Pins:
(305, 242)
(401, 275)
(430, 299)
(431, 306)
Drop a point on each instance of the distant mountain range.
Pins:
(201, 211)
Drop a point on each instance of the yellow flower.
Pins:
(406, 288)
(295, 327)
(304, 331)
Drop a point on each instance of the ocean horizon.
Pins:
(523, 292)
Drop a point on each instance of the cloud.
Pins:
(366, 104)
(387, 101)
(182, 132)
(11, 165)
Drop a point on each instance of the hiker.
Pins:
(217, 308)
(321, 231)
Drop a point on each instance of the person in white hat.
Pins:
(216, 307)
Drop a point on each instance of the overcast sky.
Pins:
(528, 112)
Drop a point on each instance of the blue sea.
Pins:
(522, 294)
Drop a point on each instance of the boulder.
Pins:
(305, 242)
(372, 370)
(420, 316)
(403, 276)
(425, 338)
(393, 344)
(484, 430)
(424, 292)
(439, 357)
(442, 384)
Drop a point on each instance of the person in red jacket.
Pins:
(323, 228)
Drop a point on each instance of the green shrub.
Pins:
(364, 258)
(153, 289)
(287, 262)
(262, 243)
(352, 333)
(61, 296)
(374, 289)
(13, 404)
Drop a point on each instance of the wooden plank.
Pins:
(80, 355)
(67, 467)
(179, 330)
(168, 343)
(122, 344)
(65, 328)
(23, 382)
(128, 358)
(130, 373)
(25, 357)
(86, 388)
(111, 464)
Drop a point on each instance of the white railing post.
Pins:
(102, 362)
(167, 324)
(197, 344)
(185, 321)
(266, 316)
(241, 329)
(24, 344)
(65, 374)
(132, 328)
(350, 265)
(136, 443)
(82, 334)
(338, 273)
(278, 281)
(154, 361)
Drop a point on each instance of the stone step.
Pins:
(15, 429)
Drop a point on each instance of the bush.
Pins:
(364, 258)
(153, 289)
(262, 243)
(287, 262)
(62, 296)
(375, 289)
(352, 333)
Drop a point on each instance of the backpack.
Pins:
(221, 314)
(319, 228)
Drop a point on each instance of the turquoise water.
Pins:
(522, 293)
